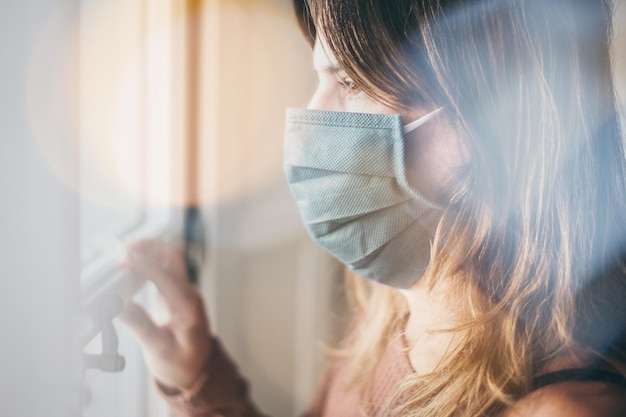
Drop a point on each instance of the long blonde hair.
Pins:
(534, 237)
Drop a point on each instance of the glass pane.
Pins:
(112, 132)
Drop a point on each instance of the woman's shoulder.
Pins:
(572, 399)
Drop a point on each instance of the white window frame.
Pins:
(166, 195)
(103, 272)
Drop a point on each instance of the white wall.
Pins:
(39, 210)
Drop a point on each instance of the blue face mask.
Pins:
(347, 174)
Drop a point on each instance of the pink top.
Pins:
(221, 391)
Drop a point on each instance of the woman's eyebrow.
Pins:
(329, 69)
(332, 68)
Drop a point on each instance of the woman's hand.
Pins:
(176, 350)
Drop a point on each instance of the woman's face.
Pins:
(433, 151)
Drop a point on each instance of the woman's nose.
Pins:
(317, 101)
(323, 99)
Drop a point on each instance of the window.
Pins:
(133, 168)
(223, 71)
(130, 127)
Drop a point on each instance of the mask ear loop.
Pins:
(399, 161)
(417, 123)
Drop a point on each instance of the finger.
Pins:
(146, 246)
(168, 254)
(172, 257)
(139, 322)
(179, 296)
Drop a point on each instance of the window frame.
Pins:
(165, 199)
(104, 273)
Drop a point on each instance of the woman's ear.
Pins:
(434, 155)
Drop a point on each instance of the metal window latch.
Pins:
(109, 360)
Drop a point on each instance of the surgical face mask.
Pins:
(348, 176)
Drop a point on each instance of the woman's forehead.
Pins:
(323, 58)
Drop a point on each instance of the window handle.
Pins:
(109, 360)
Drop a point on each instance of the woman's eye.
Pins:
(351, 87)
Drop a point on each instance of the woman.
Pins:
(467, 156)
